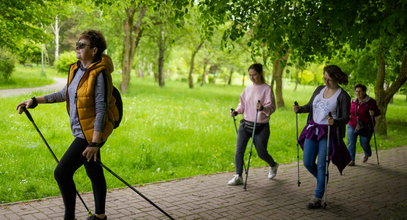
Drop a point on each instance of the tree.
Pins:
(133, 29)
(132, 35)
(192, 39)
(312, 30)
(378, 24)
(21, 20)
(162, 46)
(267, 38)
(191, 69)
(55, 30)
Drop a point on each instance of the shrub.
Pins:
(7, 64)
(64, 61)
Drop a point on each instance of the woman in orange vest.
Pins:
(92, 112)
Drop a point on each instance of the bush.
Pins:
(64, 61)
(7, 64)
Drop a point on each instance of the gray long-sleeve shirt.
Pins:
(100, 103)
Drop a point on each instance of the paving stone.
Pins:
(365, 191)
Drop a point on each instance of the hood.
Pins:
(105, 63)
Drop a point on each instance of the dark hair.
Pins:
(96, 39)
(337, 74)
(259, 69)
(363, 87)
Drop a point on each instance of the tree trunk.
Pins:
(130, 44)
(278, 69)
(55, 29)
(297, 80)
(230, 77)
(161, 53)
(204, 71)
(43, 60)
(191, 69)
(383, 96)
(243, 78)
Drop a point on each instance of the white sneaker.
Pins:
(273, 171)
(236, 180)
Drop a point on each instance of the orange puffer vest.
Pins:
(85, 102)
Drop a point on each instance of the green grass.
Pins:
(166, 133)
(28, 77)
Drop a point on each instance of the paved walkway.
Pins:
(366, 191)
(58, 85)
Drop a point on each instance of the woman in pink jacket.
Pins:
(248, 106)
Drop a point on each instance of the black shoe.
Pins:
(315, 203)
(94, 217)
(365, 158)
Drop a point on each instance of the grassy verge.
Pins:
(28, 77)
(166, 133)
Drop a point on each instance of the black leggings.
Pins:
(261, 137)
(65, 170)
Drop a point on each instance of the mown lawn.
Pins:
(27, 77)
(166, 133)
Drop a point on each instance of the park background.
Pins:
(181, 66)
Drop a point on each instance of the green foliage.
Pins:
(24, 20)
(7, 64)
(28, 52)
(174, 140)
(64, 61)
(361, 64)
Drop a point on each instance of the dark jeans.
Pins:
(65, 170)
(261, 137)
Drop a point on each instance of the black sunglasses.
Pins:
(80, 45)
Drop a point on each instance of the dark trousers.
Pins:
(65, 170)
(261, 137)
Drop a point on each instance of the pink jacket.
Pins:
(248, 102)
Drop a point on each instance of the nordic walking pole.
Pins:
(374, 137)
(328, 142)
(251, 148)
(27, 113)
(134, 189)
(234, 119)
(298, 148)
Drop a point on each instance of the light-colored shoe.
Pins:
(236, 180)
(273, 171)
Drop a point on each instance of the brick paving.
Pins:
(366, 191)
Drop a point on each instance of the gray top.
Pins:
(342, 110)
(100, 103)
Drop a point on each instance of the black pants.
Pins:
(65, 170)
(261, 137)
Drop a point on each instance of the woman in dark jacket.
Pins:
(362, 112)
(330, 98)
